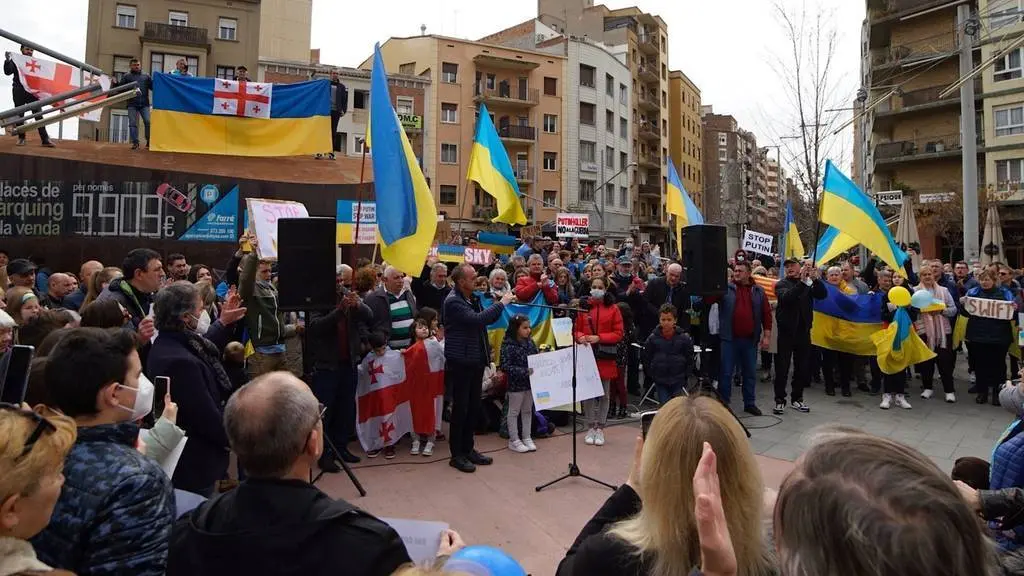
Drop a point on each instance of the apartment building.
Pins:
(285, 30)
(775, 194)
(213, 36)
(597, 104)
(523, 91)
(735, 177)
(684, 132)
(645, 37)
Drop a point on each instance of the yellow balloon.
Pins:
(899, 296)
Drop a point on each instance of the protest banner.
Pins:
(562, 327)
(478, 256)
(757, 242)
(263, 217)
(347, 217)
(985, 308)
(572, 225)
(551, 381)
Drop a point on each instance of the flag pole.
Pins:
(359, 208)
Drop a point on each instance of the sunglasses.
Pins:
(42, 425)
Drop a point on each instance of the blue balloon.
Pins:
(484, 561)
(922, 299)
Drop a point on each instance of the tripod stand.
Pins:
(574, 468)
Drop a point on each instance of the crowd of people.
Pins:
(130, 360)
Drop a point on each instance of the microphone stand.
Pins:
(574, 468)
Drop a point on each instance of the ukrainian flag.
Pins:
(540, 323)
(679, 204)
(490, 168)
(496, 243)
(899, 346)
(846, 323)
(407, 217)
(451, 253)
(792, 246)
(252, 119)
(831, 245)
(849, 210)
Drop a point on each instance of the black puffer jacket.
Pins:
(667, 360)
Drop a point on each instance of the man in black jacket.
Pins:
(276, 522)
(431, 288)
(339, 105)
(139, 105)
(23, 96)
(793, 316)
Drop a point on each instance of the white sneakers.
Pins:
(528, 442)
(517, 446)
(887, 401)
(950, 397)
(595, 437)
(415, 447)
(901, 401)
(927, 394)
(428, 450)
(589, 440)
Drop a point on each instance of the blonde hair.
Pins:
(23, 473)
(665, 529)
(104, 276)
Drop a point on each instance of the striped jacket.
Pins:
(381, 305)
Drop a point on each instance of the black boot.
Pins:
(982, 398)
(611, 410)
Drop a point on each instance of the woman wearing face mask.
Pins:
(601, 327)
(201, 385)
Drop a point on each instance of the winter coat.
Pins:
(988, 330)
(263, 319)
(528, 286)
(794, 310)
(427, 295)
(668, 360)
(322, 335)
(145, 84)
(605, 321)
(465, 330)
(514, 363)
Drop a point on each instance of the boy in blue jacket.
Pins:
(668, 355)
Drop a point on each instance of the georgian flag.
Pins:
(45, 78)
(247, 99)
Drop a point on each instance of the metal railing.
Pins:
(647, 40)
(518, 132)
(160, 32)
(646, 69)
(650, 189)
(917, 50)
(918, 147)
(650, 128)
(506, 93)
(523, 173)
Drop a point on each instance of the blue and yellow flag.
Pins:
(831, 245)
(540, 323)
(846, 323)
(679, 204)
(899, 346)
(406, 214)
(215, 116)
(496, 243)
(792, 246)
(490, 168)
(451, 253)
(848, 209)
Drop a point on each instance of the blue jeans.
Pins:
(133, 122)
(741, 353)
(666, 393)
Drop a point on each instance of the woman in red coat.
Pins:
(601, 327)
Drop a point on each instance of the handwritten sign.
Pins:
(572, 225)
(349, 212)
(551, 382)
(478, 256)
(421, 538)
(985, 308)
(757, 242)
(263, 217)
(562, 327)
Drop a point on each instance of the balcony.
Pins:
(484, 212)
(647, 42)
(524, 174)
(505, 95)
(923, 99)
(648, 72)
(650, 160)
(651, 190)
(944, 45)
(180, 35)
(649, 220)
(884, 9)
(517, 133)
(499, 63)
(648, 101)
(924, 148)
(650, 131)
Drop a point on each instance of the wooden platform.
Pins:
(297, 169)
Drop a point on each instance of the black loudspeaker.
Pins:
(704, 259)
(306, 250)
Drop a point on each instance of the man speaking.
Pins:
(467, 352)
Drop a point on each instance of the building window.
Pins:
(587, 75)
(551, 198)
(623, 93)
(664, 72)
(122, 65)
(449, 153)
(1009, 66)
(449, 113)
(409, 68)
(664, 96)
(1007, 16)
(1010, 121)
(1008, 173)
(359, 99)
(723, 155)
(587, 112)
(159, 62)
(550, 161)
(404, 105)
(119, 126)
(587, 151)
(609, 193)
(359, 142)
(226, 72)
(623, 128)
(609, 157)
(449, 73)
(623, 196)
(587, 190)
(550, 86)
(175, 18)
(609, 121)
(448, 195)
(126, 16)
(609, 85)
(550, 123)
(722, 139)
(227, 29)
(623, 160)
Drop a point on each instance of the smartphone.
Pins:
(160, 386)
(15, 378)
(645, 422)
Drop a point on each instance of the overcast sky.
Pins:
(726, 47)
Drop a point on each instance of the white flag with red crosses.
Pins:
(242, 98)
(45, 78)
(383, 409)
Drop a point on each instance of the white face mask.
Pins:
(203, 325)
(143, 398)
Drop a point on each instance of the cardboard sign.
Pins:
(985, 308)
(757, 242)
(348, 213)
(572, 225)
(478, 256)
(263, 217)
(551, 382)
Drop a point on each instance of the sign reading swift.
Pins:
(986, 308)
(572, 225)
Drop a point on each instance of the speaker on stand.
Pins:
(704, 259)
(306, 254)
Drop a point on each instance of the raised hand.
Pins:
(717, 556)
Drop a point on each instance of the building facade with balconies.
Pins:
(214, 37)
(735, 177)
(522, 90)
(685, 140)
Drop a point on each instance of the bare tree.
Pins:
(806, 69)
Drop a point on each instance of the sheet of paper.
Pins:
(551, 382)
(562, 327)
(422, 538)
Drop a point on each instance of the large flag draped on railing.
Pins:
(540, 323)
(45, 78)
(239, 118)
(846, 323)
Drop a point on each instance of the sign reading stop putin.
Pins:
(572, 225)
